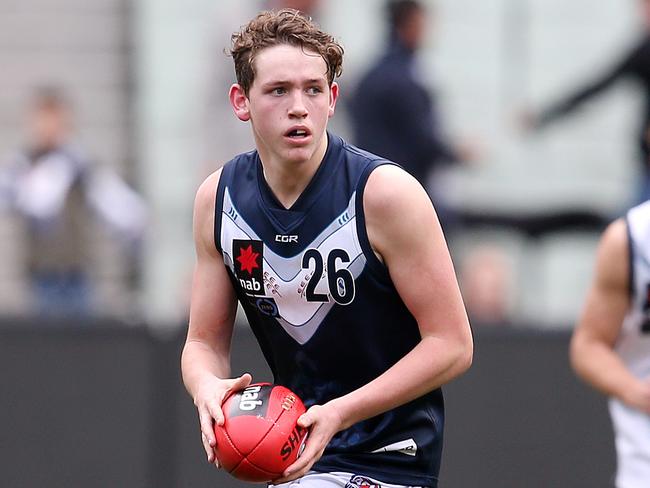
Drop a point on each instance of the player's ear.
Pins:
(239, 102)
(334, 95)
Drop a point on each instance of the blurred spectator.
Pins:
(486, 279)
(633, 64)
(57, 191)
(393, 113)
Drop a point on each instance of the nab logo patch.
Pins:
(250, 399)
(253, 400)
(249, 256)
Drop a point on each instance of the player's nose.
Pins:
(297, 107)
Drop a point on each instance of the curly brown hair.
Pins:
(286, 26)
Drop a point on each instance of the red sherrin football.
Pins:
(259, 438)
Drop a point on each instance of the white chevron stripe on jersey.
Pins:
(285, 280)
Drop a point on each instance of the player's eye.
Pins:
(314, 90)
(278, 91)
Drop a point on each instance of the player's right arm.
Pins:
(592, 346)
(205, 362)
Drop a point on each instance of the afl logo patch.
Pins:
(249, 259)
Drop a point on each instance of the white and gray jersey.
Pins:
(632, 427)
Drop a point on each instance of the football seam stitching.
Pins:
(282, 412)
(242, 456)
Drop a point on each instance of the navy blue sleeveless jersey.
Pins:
(323, 308)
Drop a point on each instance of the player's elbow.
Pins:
(466, 355)
(463, 355)
(578, 350)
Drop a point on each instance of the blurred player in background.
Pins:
(339, 262)
(632, 64)
(610, 348)
(395, 114)
(58, 191)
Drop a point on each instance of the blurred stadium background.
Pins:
(97, 401)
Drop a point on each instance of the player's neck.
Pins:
(288, 179)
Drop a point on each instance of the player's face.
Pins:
(289, 104)
(414, 30)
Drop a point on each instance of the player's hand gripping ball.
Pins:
(259, 438)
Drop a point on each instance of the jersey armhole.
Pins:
(218, 208)
(374, 263)
(630, 252)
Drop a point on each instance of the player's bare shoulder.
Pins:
(389, 188)
(207, 191)
(396, 206)
(613, 254)
(204, 208)
(615, 236)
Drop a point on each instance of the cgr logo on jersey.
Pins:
(249, 256)
(361, 482)
(286, 238)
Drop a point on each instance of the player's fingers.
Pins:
(235, 384)
(207, 429)
(314, 448)
(308, 418)
(294, 470)
(208, 448)
(211, 452)
(214, 411)
(297, 469)
(305, 420)
(240, 383)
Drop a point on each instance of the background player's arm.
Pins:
(404, 230)
(590, 89)
(205, 361)
(608, 300)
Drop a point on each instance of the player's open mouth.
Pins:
(297, 133)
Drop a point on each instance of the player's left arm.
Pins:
(404, 231)
(593, 353)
